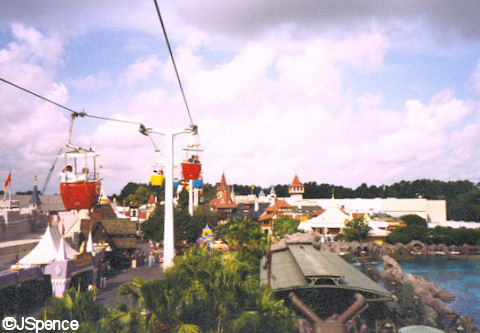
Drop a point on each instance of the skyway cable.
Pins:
(80, 113)
(173, 60)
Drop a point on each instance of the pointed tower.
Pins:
(223, 203)
(272, 196)
(35, 202)
(152, 203)
(296, 189)
(90, 241)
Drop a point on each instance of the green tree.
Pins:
(128, 189)
(121, 319)
(285, 226)
(80, 306)
(247, 239)
(186, 227)
(141, 195)
(411, 232)
(443, 235)
(413, 219)
(241, 233)
(153, 227)
(209, 192)
(203, 216)
(206, 292)
(355, 229)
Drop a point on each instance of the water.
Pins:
(460, 277)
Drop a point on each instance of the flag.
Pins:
(9, 179)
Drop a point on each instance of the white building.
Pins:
(434, 211)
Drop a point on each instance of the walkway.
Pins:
(108, 296)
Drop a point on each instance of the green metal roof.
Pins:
(303, 266)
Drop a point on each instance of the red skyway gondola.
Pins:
(191, 166)
(79, 186)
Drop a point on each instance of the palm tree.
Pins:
(120, 319)
(80, 306)
(206, 292)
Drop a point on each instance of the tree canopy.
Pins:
(462, 196)
(186, 227)
(241, 233)
(355, 229)
(413, 219)
(285, 226)
(205, 292)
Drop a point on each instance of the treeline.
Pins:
(417, 229)
(462, 196)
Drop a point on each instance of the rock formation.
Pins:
(432, 295)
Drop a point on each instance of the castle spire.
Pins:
(35, 199)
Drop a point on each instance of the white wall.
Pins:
(434, 211)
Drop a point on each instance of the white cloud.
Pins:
(33, 47)
(92, 82)
(141, 69)
(278, 106)
(32, 130)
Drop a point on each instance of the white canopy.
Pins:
(47, 249)
(332, 217)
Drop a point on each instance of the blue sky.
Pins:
(342, 92)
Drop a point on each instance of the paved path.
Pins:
(108, 296)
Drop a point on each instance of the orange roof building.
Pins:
(223, 204)
(271, 213)
(296, 189)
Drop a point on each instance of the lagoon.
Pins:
(460, 277)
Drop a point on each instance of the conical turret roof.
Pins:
(35, 199)
(296, 182)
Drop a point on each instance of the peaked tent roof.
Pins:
(47, 249)
(89, 247)
(61, 253)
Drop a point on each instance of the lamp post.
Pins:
(168, 235)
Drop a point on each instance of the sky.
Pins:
(342, 92)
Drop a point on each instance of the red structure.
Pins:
(83, 195)
(191, 170)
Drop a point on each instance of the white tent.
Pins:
(332, 217)
(47, 249)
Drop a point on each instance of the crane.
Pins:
(50, 171)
